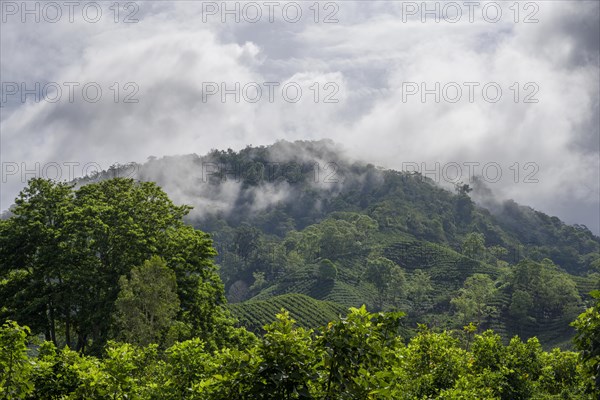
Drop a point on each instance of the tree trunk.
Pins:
(52, 323)
(68, 326)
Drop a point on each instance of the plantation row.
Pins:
(441, 263)
(254, 315)
(336, 291)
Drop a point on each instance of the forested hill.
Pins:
(289, 186)
(278, 213)
(134, 302)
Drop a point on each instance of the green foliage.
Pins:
(587, 341)
(387, 277)
(398, 202)
(521, 305)
(405, 218)
(327, 270)
(474, 245)
(473, 299)
(419, 291)
(259, 281)
(355, 348)
(357, 357)
(15, 367)
(63, 252)
(247, 242)
(125, 367)
(432, 362)
(147, 304)
(561, 374)
(308, 312)
(541, 291)
(34, 250)
(186, 364)
(288, 363)
(73, 262)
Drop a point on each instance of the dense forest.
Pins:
(292, 273)
(300, 218)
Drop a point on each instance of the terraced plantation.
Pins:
(308, 312)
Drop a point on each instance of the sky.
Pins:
(504, 90)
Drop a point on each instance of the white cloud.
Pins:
(369, 54)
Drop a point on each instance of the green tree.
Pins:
(473, 299)
(186, 364)
(288, 362)
(520, 306)
(511, 371)
(63, 252)
(327, 270)
(387, 277)
(247, 240)
(126, 368)
(464, 209)
(553, 292)
(354, 349)
(147, 304)
(35, 259)
(419, 291)
(430, 363)
(561, 374)
(15, 367)
(522, 366)
(305, 244)
(259, 281)
(474, 245)
(587, 341)
(337, 238)
(357, 357)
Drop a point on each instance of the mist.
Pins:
(356, 76)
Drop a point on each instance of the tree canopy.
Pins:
(64, 252)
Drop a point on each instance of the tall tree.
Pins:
(419, 290)
(474, 245)
(327, 271)
(473, 299)
(35, 250)
(147, 304)
(63, 254)
(246, 243)
(387, 277)
(553, 293)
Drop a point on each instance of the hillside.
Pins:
(255, 314)
(277, 212)
(85, 317)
